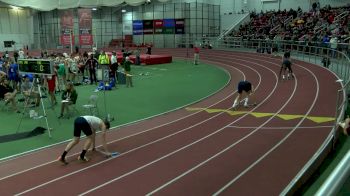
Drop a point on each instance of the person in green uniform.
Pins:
(61, 72)
(127, 68)
(69, 97)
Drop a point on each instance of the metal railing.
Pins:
(341, 16)
(233, 26)
(337, 178)
(288, 20)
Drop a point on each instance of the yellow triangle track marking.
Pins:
(234, 113)
(316, 119)
(289, 116)
(320, 119)
(259, 114)
(214, 110)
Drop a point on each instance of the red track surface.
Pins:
(199, 153)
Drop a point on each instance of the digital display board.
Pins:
(137, 26)
(159, 26)
(35, 66)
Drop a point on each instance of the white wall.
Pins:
(334, 3)
(258, 5)
(16, 25)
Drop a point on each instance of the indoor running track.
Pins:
(202, 149)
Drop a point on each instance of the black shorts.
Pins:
(244, 86)
(287, 64)
(80, 124)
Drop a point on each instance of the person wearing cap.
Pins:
(127, 68)
(88, 125)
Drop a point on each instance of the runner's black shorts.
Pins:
(80, 124)
(244, 86)
(287, 64)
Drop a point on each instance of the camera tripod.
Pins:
(36, 83)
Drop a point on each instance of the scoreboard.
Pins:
(35, 66)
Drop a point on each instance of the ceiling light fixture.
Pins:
(15, 7)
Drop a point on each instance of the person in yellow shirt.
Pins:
(103, 59)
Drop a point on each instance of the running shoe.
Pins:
(85, 159)
(63, 161)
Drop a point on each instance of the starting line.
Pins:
(316, 119)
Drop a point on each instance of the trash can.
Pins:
(121, 77)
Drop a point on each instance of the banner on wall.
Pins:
(137, 27)
(148, 27)
(158, 26)
(180, 26)
(66, 22)
(85, 27)
(168, 26)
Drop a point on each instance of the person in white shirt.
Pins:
(21, 54)
(114, 65)
(334, 45)
(88, 125)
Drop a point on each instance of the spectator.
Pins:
(69, 97)
(13, 74)
(127, 68)
(334, 44)
(326, 61)
(114, 65)
(196, 55)
(103, 59)
(91, 64)
(21, 54)
(29, 91)
(137, 56)
(8, 94)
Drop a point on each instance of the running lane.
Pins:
(207, 153)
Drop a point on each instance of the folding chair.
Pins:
(4, 107)
(92, 105)
(72, 110)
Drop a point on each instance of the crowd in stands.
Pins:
(325, 26)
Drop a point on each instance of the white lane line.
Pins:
(83, 169)
(38, 150)
(279, 128)
(129, 136)
(197, 141)
(279, 143)
(229, 147)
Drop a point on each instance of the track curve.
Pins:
(201, 152)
